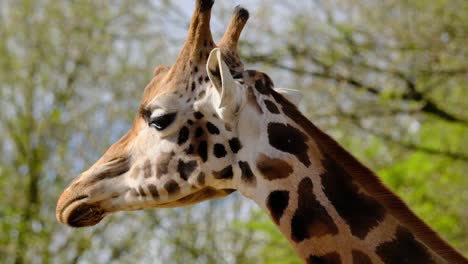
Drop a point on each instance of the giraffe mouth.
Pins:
(85, 215)
(79, 213)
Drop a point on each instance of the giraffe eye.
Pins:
(161, 122)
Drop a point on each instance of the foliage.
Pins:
(388, 80)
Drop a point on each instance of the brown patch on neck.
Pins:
(331, 258)
(289, 139)
(311, 219)
(404, 248)
(272, 168)
(360, 211)
(372, 184)
(277, 202)
(360, 257)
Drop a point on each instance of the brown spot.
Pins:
(141, 191)
(273, 169)
(153, 190)
(310, 219)
(277, 202)
(203, 150)
(147, 169)
(189, 150)
(247, 174)
(185, 169)
(162, 164)
(360, 257)
(290, 140)
(225, 173)
(271, 107)
(268, 81)
(261, 87)
(199, 132)
(360, 211)
(235, 145)
(183, 135)
(198, 115)
(172, 187)
(201, 178)
(219, 151)
(403, 249)
(212, 128)
(331, 258)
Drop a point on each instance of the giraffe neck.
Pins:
(331, 207)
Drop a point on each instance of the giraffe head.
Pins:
(184, 144)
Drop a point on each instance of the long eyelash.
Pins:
(145, 113)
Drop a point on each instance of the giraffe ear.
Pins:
(294, 96)
(228, 93)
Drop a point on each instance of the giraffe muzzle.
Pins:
(85, 215)
(78, 211)
(82, 203)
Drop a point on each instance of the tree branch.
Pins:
(407, 145)
(428, 105)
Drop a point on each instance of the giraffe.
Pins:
(206, 128)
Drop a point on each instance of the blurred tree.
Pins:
(55, 58)
(386, 79)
